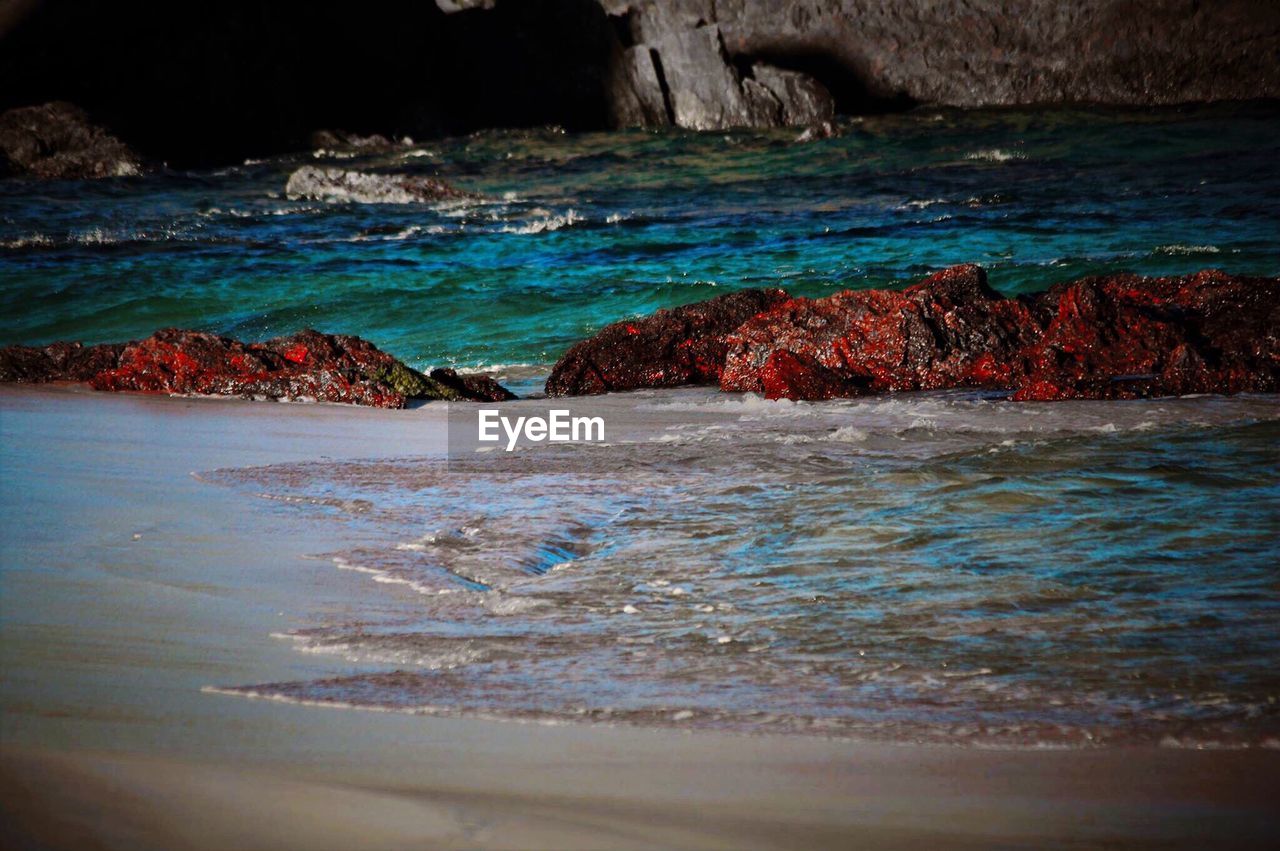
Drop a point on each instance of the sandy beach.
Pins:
(127, 585)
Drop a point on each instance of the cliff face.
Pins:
(206, 84)
(872, 55)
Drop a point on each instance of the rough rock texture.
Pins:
(1114, 337)
(873, 55)
(1123, 337)
(305, 366)
(336, 184)
(951, 330)
(163, 82)
(327, 141)
(57, 141)
(682, 75)
(479, 388)
(685, 345)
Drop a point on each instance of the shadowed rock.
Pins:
(56, 141)
(480, 388)
(305, 366)
(685, 345)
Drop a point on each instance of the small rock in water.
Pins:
(336, 184)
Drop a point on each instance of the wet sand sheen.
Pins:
(108, 638)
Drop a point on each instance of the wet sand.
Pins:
(126, 585)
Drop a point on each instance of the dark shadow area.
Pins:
(853, 92)
(202, 82)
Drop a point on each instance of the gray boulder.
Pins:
(56, 141)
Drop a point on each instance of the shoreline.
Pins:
(108, 738)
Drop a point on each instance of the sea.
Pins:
(944, 567)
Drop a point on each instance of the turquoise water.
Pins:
(580, 230)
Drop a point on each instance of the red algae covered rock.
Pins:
(1125, 337)
(684, 345)
(950, 330)
(305, 366)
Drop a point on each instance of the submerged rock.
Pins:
(56, 141)
(684, 345)
(1113, 337)
(336, 184)
(305, 366)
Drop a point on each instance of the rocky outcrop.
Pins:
(683, 76)
(685, 345)
(1124, 337)
(305, 366)
(951, 330)
(590, 64)
(1114, 337)
(873, 56)
(57, 141)
(336, 184)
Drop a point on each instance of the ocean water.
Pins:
(939, 567)
(579, 230)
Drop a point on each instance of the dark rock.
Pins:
(951, 330)
(326, 141)
(821, 130)
(305, 366)
(685, 345)
(56, 141)
(336, 184)
(968, 53)
(1124, 337)
(57, 362)
(480, 388)
(801, 99)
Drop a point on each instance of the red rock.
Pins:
(950, 330)
(1125, 337)
(786, 375)
(307, 365)
(685, 345)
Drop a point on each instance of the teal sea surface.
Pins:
(576, 230)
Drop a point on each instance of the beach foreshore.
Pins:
(127, 585)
